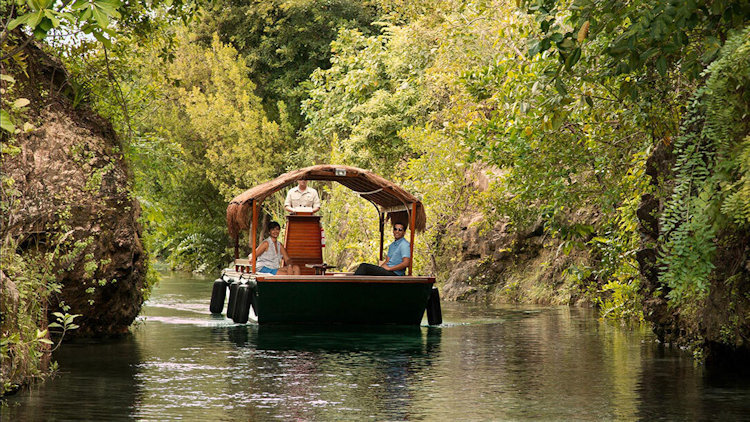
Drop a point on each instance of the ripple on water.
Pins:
(198, 322)
(483, 363)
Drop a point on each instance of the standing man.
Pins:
(399, 256)
(302, 196)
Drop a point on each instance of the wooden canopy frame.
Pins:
(391, 200)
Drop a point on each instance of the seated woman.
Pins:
(270, 252)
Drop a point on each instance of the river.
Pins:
(484, 363)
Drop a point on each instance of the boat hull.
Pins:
(341, 300)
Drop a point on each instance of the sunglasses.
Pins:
(396, 229)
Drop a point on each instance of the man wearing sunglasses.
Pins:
(399, 257)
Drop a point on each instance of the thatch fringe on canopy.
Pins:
(388, 196)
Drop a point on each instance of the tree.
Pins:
(284, 41)
(208, 140)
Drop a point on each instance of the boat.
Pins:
(320, 295)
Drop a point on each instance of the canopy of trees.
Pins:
(565, 101)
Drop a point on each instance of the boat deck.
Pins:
(329, 278)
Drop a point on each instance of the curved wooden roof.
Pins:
(390, 197)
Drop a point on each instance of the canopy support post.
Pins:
(237, 247)
(412, 223)
(381, 216)
(253, 231)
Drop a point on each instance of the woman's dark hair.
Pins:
(272, 225)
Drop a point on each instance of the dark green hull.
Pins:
(333, 300)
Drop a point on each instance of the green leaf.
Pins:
(99, 36)
(45, 25)
(80, 4)
(50, 14)
(21, 102)
(7, 78)
(23, 19)
(45, 341)
(560, 87)
(661, 65)
(54, 325)
(85, 16)
(651, 52)
(39, 34)
(572, 58)
(101, 18)
(566, 44)
(109, 7)
(6, 123)
(534, 48)
(36, 19)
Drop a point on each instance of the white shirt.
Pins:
(307, 198)
(271, 258)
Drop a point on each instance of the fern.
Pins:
(712, 174)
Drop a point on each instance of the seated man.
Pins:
(302, 197)
(399, 256)
(270, 252)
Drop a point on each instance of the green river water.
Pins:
(483, 363)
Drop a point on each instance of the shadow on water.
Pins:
(684, 389)
(405, 339)
(95, 382)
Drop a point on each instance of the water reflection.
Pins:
(301, 372)
(101, 386)
(504, 363)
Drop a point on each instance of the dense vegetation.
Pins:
(563, 102)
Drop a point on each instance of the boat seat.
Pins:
(243, 265)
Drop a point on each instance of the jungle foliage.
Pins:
(562, 102)
(283, 42)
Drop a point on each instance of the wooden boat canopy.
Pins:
(389, 197)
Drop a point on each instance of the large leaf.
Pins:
(23, 19)
(99, 36)
(21, 102)
(102, 19)
(6, 123)
(572, 58)
(50, 14)
(108, 7)
(80, 4)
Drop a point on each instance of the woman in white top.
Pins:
(270, 252)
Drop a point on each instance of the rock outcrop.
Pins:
(496, 264)
(71, 202)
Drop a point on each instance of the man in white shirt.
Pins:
(302, 196)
